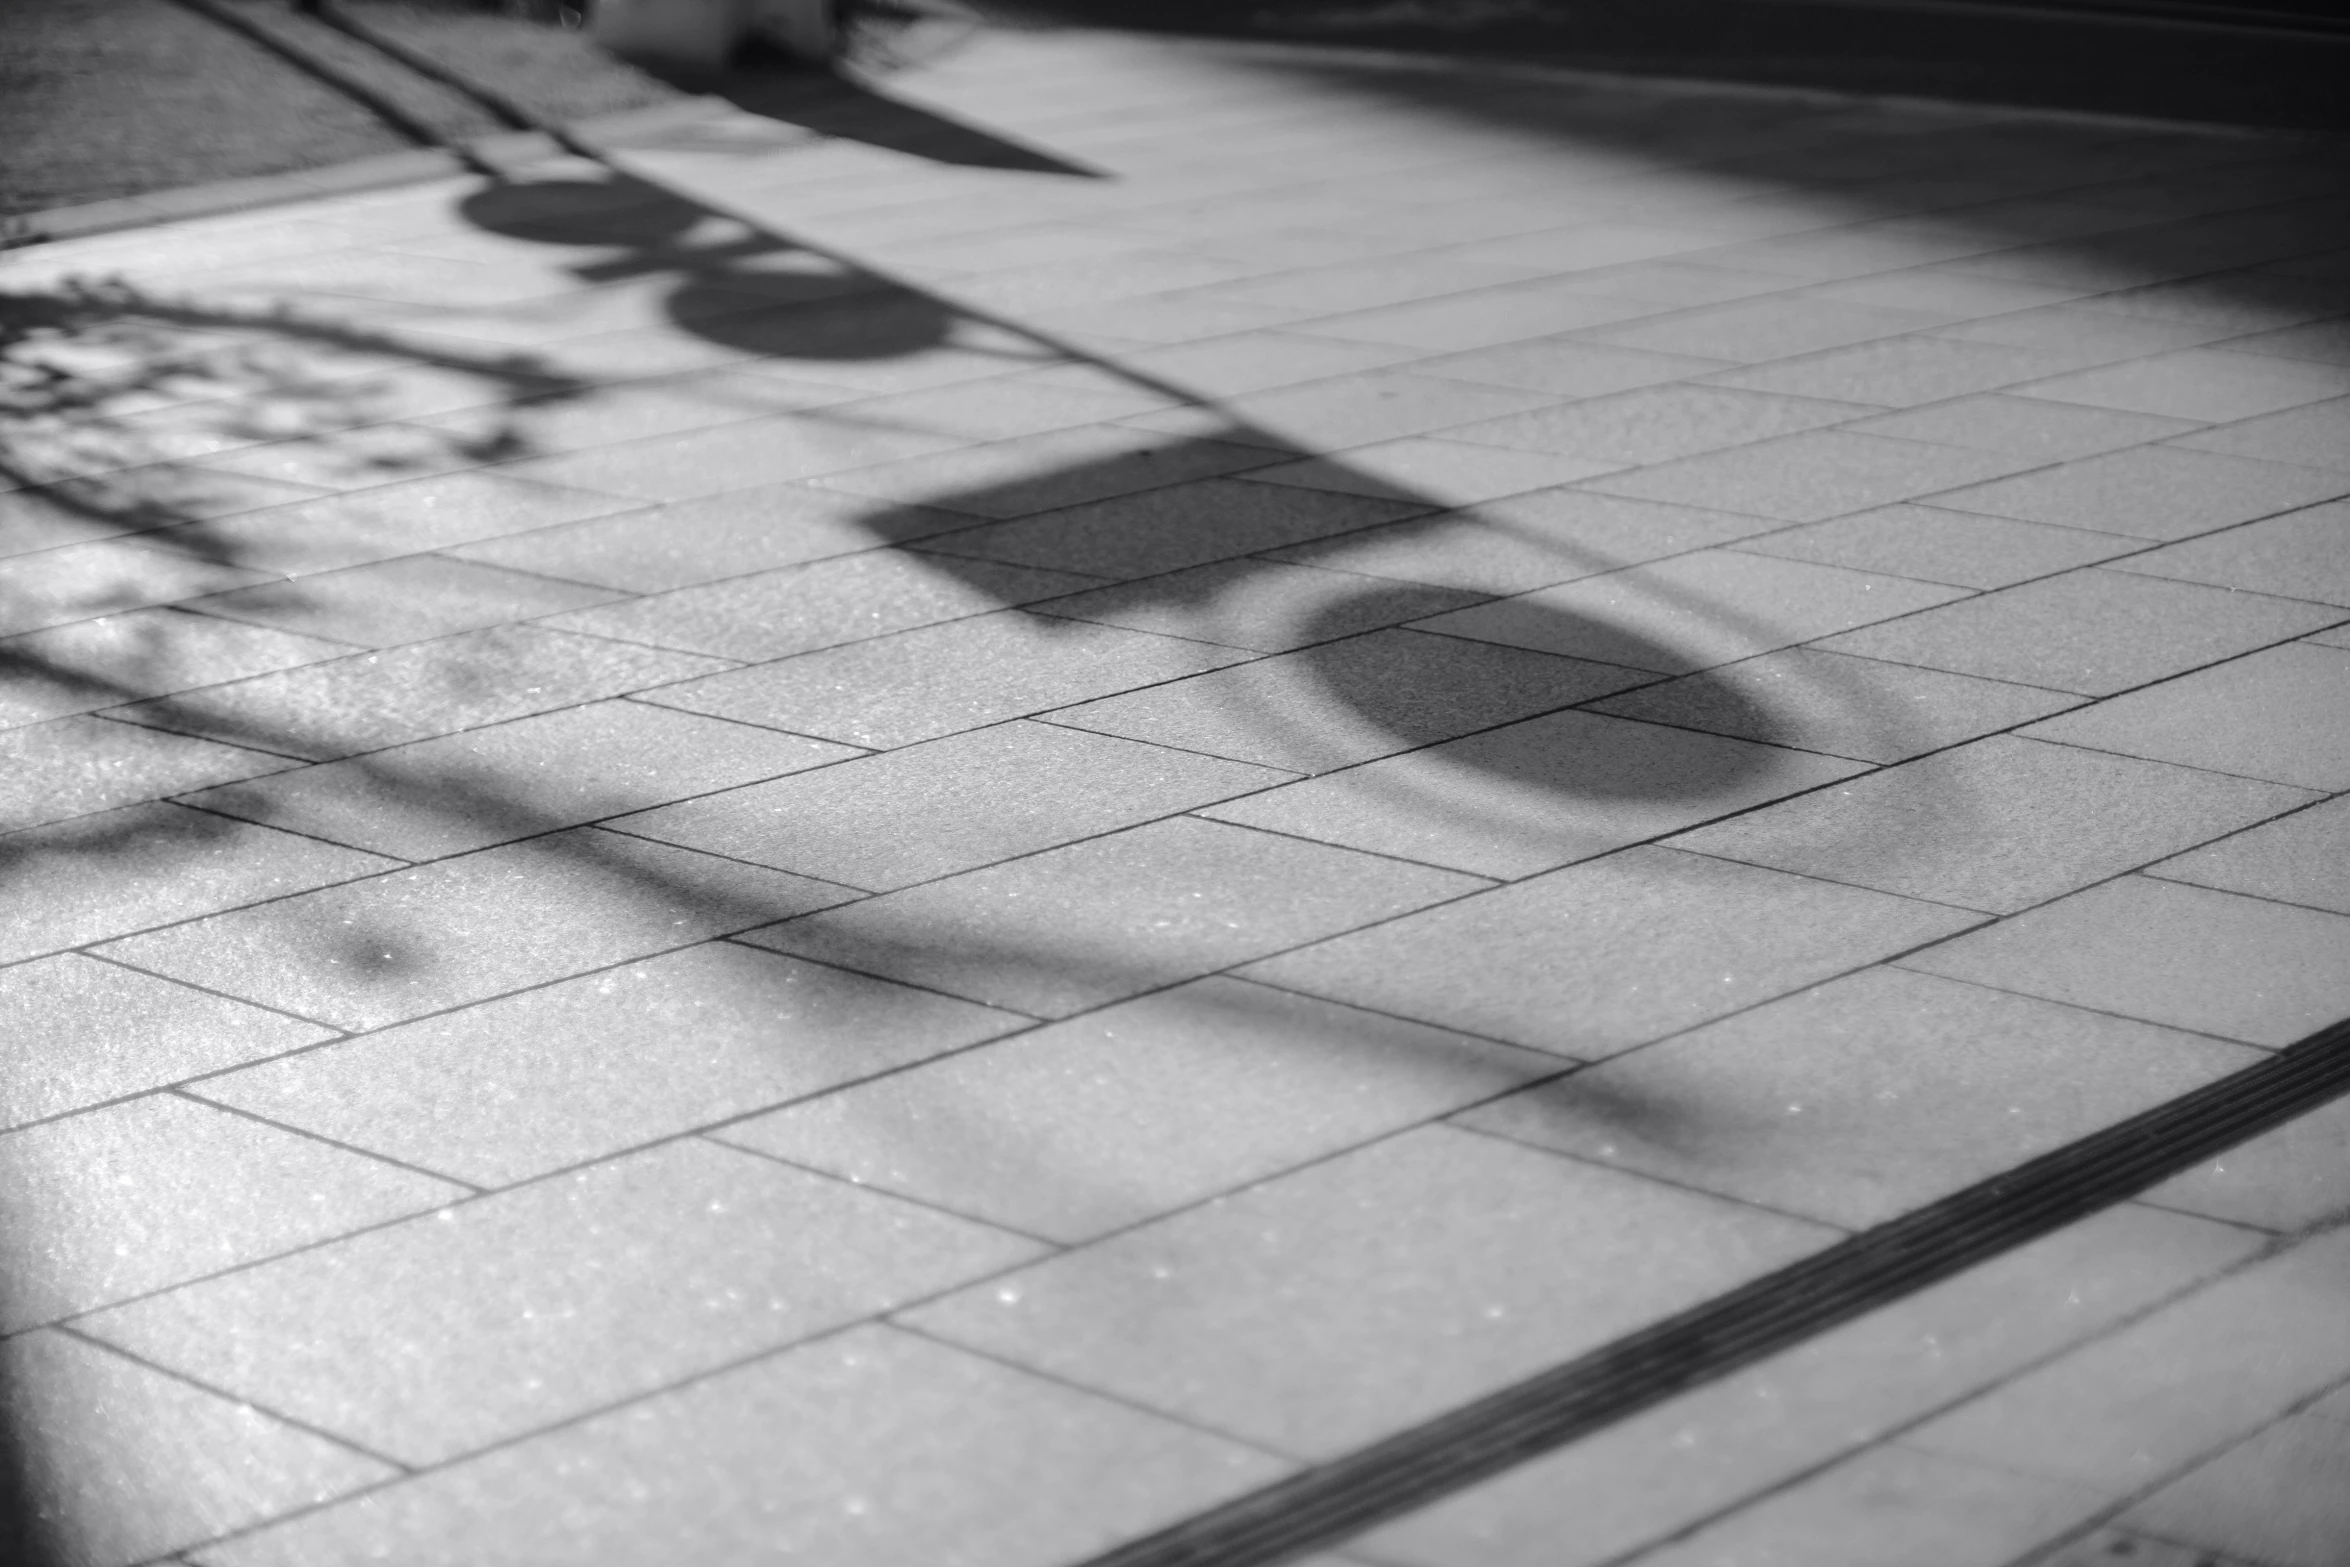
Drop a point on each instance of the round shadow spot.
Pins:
(581, 212)
(828, 317)
(1426, 689)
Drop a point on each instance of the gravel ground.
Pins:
(102, 98)
(105, 98)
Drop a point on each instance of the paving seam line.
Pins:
(1337, 1500)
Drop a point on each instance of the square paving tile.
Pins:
(1568, 367)
(1004, 408)
(1900, 372)
(1844, 706)
(949, 805)
(938, 680)
(54, 587)
(1005, 479)
(513, 1088)
(1884, 1501)
(343, 461)
(79, 1032)
(392, 947)
(130, 1464)
(1160, 320)
(1179, 525)
(69, 767)
(1691, 612)
(1812, 476)
(1526, 541)
(798, 609)
(1105, 1121)
(1458, 1264)
(736, 456)
(1998, 824)
(145, 1194)
(2316, 435)
(504, 781)
(2290, 1179)
(730, 534)
(113, 872)
(1364, 284)
(1582, 247)
(870, 1449)
(601, 415)
(136, 500)
(2277, 714)
(2209, 384)
(1864, 1099)
(1359, 409)
(1680, 282)
(2083, 335)
(1941, 293)
(369, 701)
(1262, 605)
(1485, 318)
(1847, 250)
(1962, 549)
(2302, 858)
(1432, 471)
(404, 600)
(2283, 1496)
(2025, 424)
(1092, 922)
(1243, 362)
(2243, 968)
(1657, 424)
(2325, 341)
(428, 1339)
(89, 664)
(2302, 554)
(1531, 796)
(1650, 1477)
(1598, 957)
(2151, 492)
(385, 523)
(1750, 331)
(1343, 702)
(2129, 1408)
(2093, 631)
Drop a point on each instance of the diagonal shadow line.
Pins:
(849, 110)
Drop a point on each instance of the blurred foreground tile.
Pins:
(870, 1449)
(516, 1311)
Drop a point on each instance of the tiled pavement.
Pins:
(840, 857)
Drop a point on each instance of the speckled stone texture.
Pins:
(931, 844)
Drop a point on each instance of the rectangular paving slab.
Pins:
(385, 948)
(555, 1298)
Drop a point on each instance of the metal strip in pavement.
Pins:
(1332, 1501)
